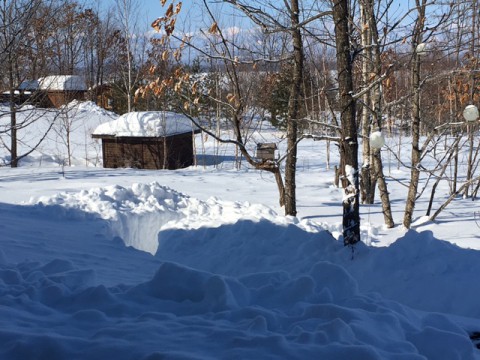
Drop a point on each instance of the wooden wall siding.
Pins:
(59, 98)
(173, 152)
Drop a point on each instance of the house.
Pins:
(53, 91)
(103, 95)
(147, 140)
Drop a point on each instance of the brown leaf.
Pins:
(169, 11)
(157, 24)
(213, 29)
(170, 27)
(231, 98)
(178, 7)
(177, 54)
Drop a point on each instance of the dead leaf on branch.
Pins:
(169, 11)
(178, 7)
(213, 29)
(178, 86)
(177, 54)
(194, 87)
(231, 98)
(170, 27)
(157, 24)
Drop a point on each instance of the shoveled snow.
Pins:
(199, 263)
(146, 123)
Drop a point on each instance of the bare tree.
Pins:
(16, 17)
(372, 110)
(349, 136)
(131, 45)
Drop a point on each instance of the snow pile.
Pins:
(183, 313)
(146, 123)
(247, 290)
(137, 214)
(50, 131)
(88, 108)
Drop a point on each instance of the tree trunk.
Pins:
(349, 138)
(377, 175)
(280, 186)
(382, 188)
(416, 153)
(293, 112)
(367, 180)
(13, 115)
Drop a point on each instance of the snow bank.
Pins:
(80, 118)
(186, 313)
(137, 214)
(229, 280)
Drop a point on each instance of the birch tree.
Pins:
(131, 45)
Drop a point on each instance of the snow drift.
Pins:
(252, 286)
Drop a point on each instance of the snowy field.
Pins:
(199, 263)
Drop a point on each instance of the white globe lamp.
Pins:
(421, 49)
(470, 113)
(377, 140)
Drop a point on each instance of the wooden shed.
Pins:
(147, 140)
(103, 95)
(62, 89)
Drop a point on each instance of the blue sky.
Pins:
(192, 17)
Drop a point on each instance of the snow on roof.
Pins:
(146, 124)
(62, 82)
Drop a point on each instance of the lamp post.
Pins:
(377, 140)
(470, 113)
(421, 49)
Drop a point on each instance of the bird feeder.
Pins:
(266, 151)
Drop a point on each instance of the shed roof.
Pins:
(62, 83)
(146, 124)
(29, 85)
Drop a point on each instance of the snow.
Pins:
(146, 124)
(55, 83)
(199, 263)
(62, 82)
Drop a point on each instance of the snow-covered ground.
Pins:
(199, 263)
